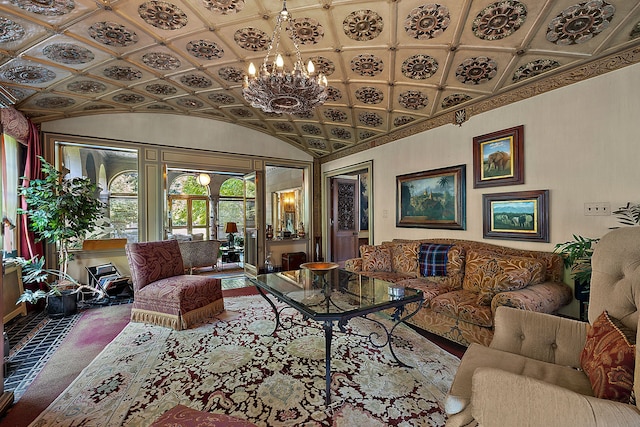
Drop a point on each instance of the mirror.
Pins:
(286, 213)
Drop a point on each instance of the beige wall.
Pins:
(582, 142)
(178, 131)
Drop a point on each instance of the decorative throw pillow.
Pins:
(608, 359)
(404, 258)
(375, 258)
(488, 274)
(433, 259)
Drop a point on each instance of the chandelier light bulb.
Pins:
(310, 68)
(279, 62)
(252, 69)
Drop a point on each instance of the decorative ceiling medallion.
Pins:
(161, 89)
(112, 34)
(195, 80)
(221, 98)
(231, 74)
(19, 94)
(365, 135)
(419, 67)
(341, 133)
(86, 86)
(163, 15)
(534, 68)
(55, 102)
(10, 31)
(307, 30)
(402, 120)
(241, 112)
(128, 98)
(68, 53)
(205, 49)
(304, 114)
(224, 7)
(333, 93)
(46, 7)
(499, 20)
(413, 100)
(28, 74)
(311, 129)
(161, 61)
(190, 103)
(455, 99)
(580, 23)
(335, 115)
(323, 65)
(122, 73)
(252, 39)
(272, 114)
(338, 145)
(98, 107)
(427, 21)
(283, 127)
(160, 107)
(367, 65)
(362, 25)
(317, 144)
(476, 70)
(370, 119)
(369, 95)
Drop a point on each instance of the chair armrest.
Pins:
(353, 264)
(502, 398)
(540, 336)
(547, 297)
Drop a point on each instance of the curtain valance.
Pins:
(15, 124)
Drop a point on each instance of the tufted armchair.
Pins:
(545, 370)
(163, 294)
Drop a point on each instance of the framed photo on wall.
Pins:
(520, 215)
(498, 158)
(432, 199)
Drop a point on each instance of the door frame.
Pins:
(326, 201)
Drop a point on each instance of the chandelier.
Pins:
(273, 89)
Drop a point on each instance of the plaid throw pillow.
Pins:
(433, 259)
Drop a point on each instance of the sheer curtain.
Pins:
(9, 192)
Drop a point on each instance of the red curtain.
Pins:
(32, 170)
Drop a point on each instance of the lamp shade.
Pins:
(231, 227)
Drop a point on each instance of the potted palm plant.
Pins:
(61, 211)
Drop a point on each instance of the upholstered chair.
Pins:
(199, 253)
(546, 370)
(163, 294)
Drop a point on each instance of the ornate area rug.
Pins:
(231, 365)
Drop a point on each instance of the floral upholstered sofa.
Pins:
(464, 281)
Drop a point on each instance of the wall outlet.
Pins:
(597, 208)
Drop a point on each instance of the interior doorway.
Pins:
(348, 211)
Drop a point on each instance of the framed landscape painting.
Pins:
(498, 158)
(432, 199)
(520, 215)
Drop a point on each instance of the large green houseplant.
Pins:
(61, 211)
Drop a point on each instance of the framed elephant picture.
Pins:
(498, 158)
(520, 215)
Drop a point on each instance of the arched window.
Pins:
(123, 205)
(188, 207)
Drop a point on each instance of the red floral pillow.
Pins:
(608, 359)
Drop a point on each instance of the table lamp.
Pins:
(231, 228)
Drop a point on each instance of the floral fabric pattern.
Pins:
(463, 304)
(375, 258)
(608, 359)
(489, 274)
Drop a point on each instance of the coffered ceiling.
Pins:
(394, 67)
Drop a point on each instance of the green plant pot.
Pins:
(63, 305)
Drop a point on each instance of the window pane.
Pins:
(179, 213)
(199, 213)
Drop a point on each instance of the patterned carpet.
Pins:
(232, 365)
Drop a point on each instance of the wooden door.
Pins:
(344, 219)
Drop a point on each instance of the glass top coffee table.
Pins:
(336, 296)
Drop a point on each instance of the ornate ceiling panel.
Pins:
(394, 67)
